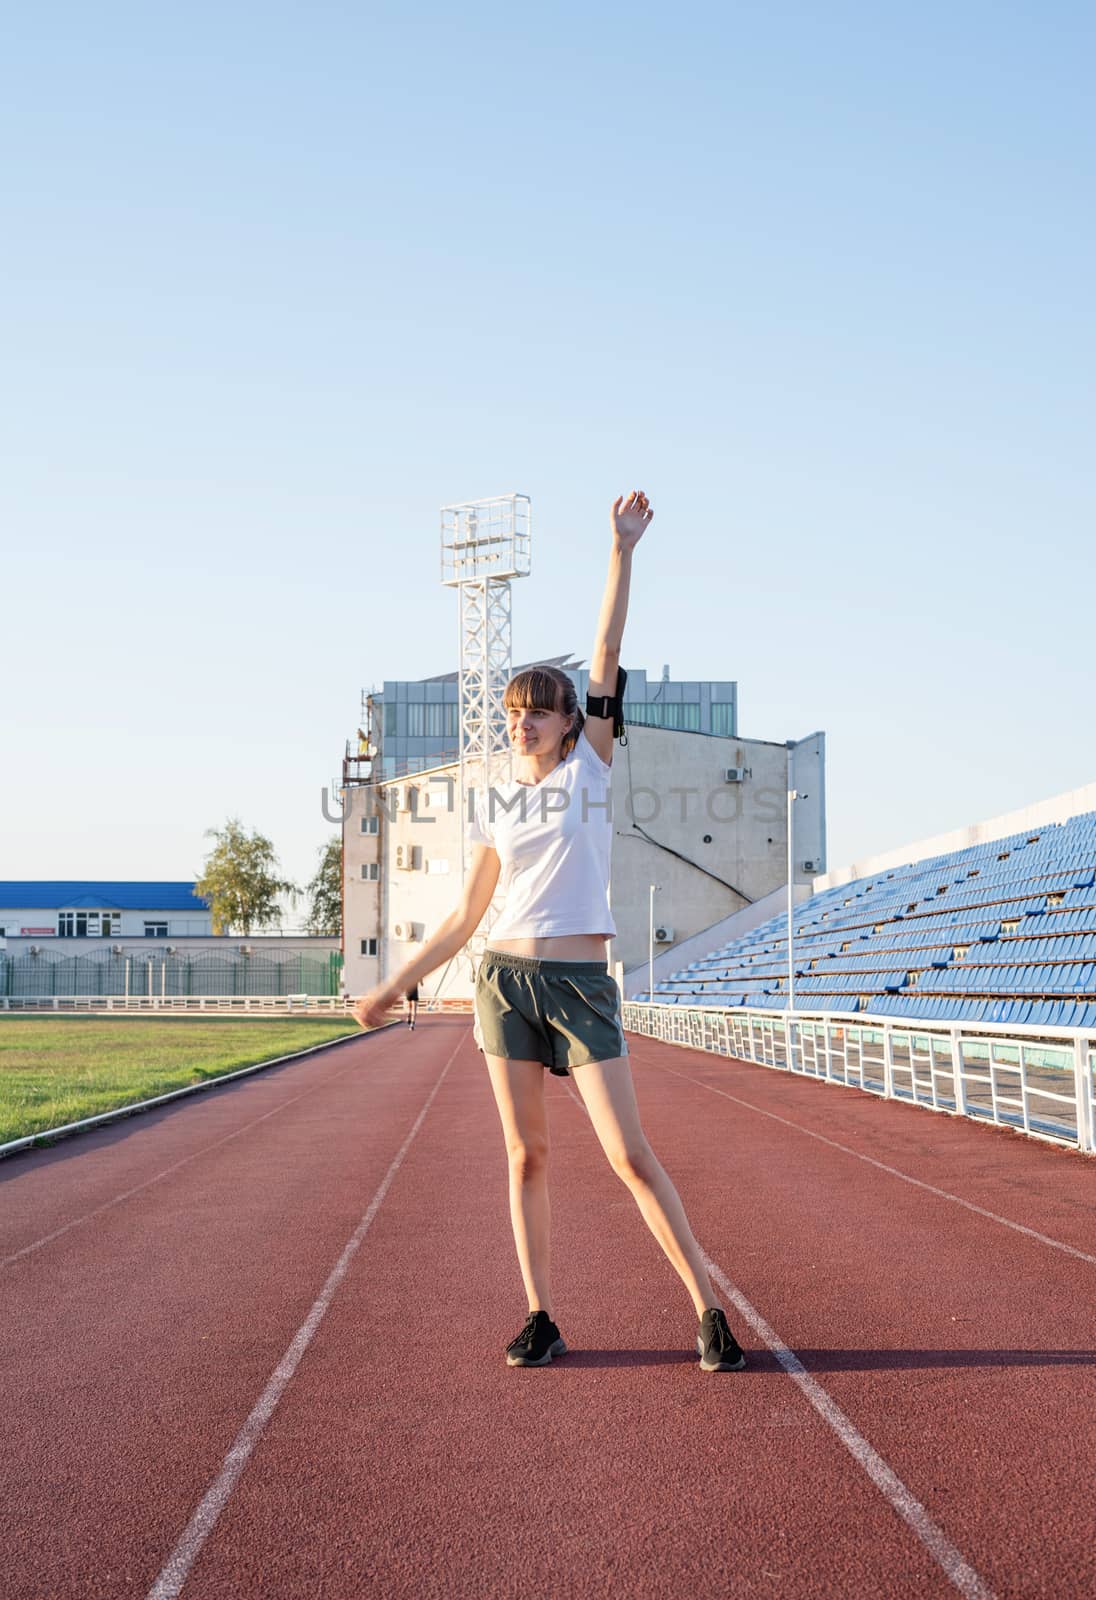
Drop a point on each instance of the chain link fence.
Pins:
(159, 975)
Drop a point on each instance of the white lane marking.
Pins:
(936, 1542)
(129, 1193)
(1055, 1244)
(958, 1571)
(216, 1497)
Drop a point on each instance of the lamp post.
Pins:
(651, 941)
(792, 795)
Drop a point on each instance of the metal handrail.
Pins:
(207, 1005)
(276, 1004)
(1040, 1080)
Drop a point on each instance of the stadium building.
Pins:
(151, 941)
(698, 812)
(416, 723)
(95, 910)
(993, 923)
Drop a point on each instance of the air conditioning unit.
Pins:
(171, 949)
(404, 931)
(117, 949)
(733, 774)
(812, 866)
(405, 857)
(664, 936)
(245, 950)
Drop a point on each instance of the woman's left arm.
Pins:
(630, 517)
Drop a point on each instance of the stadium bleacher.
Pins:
(1003, 932)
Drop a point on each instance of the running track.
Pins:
(252, 1346)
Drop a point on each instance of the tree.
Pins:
(240, 880)
(325, 892)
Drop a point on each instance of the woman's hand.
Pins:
(373, 1009)
(631, 517)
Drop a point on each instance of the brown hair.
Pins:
(546, 689)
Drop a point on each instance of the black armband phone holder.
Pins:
(611, 705)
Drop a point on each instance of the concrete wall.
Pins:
(708, 939)
(711, 846)
(361, 896)
(180, 924)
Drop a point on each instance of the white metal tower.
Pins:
(484, 545)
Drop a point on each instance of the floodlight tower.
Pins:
(484, 545)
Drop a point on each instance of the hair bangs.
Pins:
(532, 690)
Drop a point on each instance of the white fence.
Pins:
(1043, 1082)
(252, 1004)
(257, 1005)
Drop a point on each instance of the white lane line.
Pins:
(206, 1148)
(958, 1571)
(936, 1542)
(1018, 1227)
(202, 1523)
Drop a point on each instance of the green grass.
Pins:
(53, 1073)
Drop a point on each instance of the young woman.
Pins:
(412, 998)
(544, 994)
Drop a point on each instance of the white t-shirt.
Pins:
(554, 840)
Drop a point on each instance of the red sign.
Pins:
(40, 933)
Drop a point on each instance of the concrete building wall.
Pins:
(712, 846)
(701, 944)
(129, 924)
(363, 825)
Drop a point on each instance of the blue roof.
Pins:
(99, 896)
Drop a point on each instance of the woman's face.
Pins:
(533, 732)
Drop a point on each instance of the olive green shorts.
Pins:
(560, 1013)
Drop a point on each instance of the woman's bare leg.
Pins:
(519, 1095)
(609, 1096)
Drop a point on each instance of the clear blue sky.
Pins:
(280, 281)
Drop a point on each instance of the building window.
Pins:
(88, 924)
(155, 930)
(433, 720)
(390, 719)
(369, 947)
(370, 824)
(723, 718)
(663, 714)
(371, 871)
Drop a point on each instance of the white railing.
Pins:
(253, 1004)
(1040, 1081)
(269, 1005)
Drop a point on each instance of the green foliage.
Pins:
(325, 892)
(240, 880)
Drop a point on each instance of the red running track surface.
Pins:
(946, 1422)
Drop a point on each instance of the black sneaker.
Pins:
(536, 1344)
(717, 1345)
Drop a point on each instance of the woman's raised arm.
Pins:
(630, 518)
